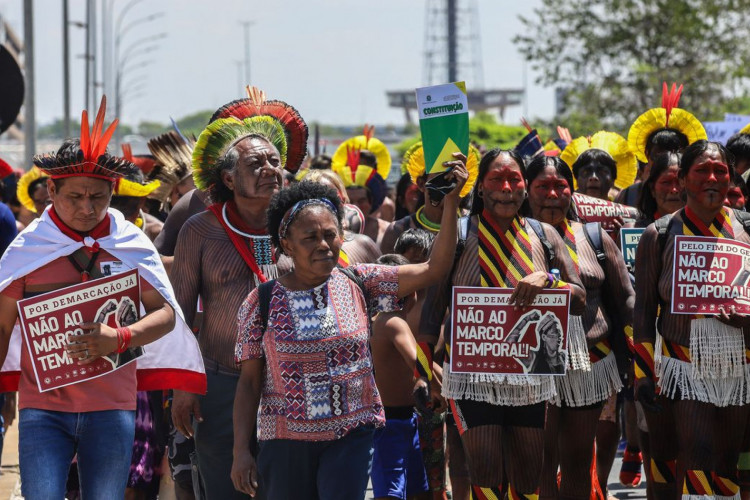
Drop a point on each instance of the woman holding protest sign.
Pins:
(592, 375)
(312, 324)
(700, 414)
(501, 416)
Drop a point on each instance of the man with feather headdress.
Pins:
(76, 239)
(225, 252)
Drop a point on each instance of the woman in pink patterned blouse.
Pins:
(307, 373)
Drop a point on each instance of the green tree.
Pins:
(152, 129)
(609, 57)
(484, 130)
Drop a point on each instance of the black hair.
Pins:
(321, 162)
(595, 155)
(738, 181)
(392, 259)
(368, 158)
(414, 238)
(284, 199)
(646, 202)
(401, 187)
(697, 148)
(536, 167)
(35, 184)
(739, 146)
(477, 204)
(666, 139)
(128, 205)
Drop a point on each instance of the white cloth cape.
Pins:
(173, 361)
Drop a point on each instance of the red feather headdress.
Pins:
(295, 128)
(90, 159)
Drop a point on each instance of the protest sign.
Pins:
(49, 320)
(709, 273)
(590, 209)
(490, 336)
(629, 239)
(444, 123)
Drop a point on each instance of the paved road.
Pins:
(9, 487)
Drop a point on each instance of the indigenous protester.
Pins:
(660, 130)
(224, 253)
(130, 199)
(357, 248)
(363, 163)
(173, 154)
(592, 375)
(698, 419)
(662, 193)
(737, 196)
(294, 328)
(600, 162)
(75, 239)
(408, 196)
(739, 146)
(397, 467)
(501, 417)
(32, 191)
(429, 214)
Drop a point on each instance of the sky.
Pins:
(331, 59)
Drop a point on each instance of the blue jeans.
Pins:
(48, 440)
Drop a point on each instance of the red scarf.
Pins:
(240, 243)
(100, 230)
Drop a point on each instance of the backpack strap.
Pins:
(744, 218)
(264, 301)
(662, 226)
(549, 250)
(593, 231)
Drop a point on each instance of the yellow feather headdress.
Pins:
(414, 163)
(667, 116)
(612, 143)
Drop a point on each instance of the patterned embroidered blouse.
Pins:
(318, 382)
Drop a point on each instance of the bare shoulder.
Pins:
(389, 325)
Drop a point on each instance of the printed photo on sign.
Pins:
(488, 335)
(710, 273)
(49, 320)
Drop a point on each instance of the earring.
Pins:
(525, 194)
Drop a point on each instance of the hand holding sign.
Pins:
(98, 340)
(528, 288)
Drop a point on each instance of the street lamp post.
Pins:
(246, 26)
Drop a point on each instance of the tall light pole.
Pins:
(246, 26)
(29, 123)
(66, 71)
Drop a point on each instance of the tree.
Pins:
(485, 131)
(610, 56)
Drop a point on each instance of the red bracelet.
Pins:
(123, 338)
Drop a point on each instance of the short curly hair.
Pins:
(285, 199)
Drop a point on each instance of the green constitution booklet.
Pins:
(444, 123)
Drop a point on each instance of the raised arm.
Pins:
(415, 277)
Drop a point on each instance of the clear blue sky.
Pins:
(332, 59)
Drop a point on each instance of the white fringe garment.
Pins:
(497, 389)
(578, 350)
(717, 350)
(582, 388)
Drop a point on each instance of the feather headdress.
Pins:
(346, 163)
(174, 154)
(294, 127)
(615, 145)
(22, 188)
(90, 159)
(667, 116)
(414, 163)
(144, 162)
